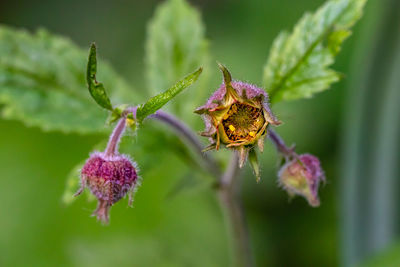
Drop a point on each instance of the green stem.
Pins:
(228, 194)
(231, 206)
(184, 131)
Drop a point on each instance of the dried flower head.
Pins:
(302, 176)
(237, 115)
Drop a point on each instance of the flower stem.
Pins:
(227, 190)
(280, 145)
(112, 145)
(184, 131)
(230, 202)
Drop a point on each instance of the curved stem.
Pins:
(112, 145)
(280, 145)
(230, 202)
(227, 191)
(190, 137)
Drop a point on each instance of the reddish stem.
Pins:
(112, 146)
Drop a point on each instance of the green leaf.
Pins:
(253, 159)
(73, 184)
(96, 89)
(176, 45)
(42, 83)
(158, 101)
(189, 181)
(298, 63)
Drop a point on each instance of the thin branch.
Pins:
(115, 137)
(234, 216)
(184, 131)
(227, 191)
(280, 145)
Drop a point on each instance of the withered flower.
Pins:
(237, 115)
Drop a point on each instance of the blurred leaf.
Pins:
(175, 144)
(74, 180)
(96, 89)
(42, 83)
(73, 184)
(175, 46)
(188, 181)
(165, 146)
(298, 63)
(158, 101)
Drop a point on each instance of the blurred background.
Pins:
(354, 128)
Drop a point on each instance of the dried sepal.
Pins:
(253, 159)
(237, 116)
(243, 154)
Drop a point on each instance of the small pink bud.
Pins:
(301, 176)
(109, 178)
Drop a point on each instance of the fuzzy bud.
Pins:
(109, 178)
(302, 176)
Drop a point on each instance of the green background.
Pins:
(187, 229)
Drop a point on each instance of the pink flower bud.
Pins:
(302, 176)
(109, 178)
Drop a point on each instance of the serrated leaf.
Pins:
(176, 45)
(42, 83)
(96, 89)
(298, 63)
(158, 101)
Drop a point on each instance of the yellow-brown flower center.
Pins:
(243, 122)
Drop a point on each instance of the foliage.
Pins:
(42, 83)
(298, 63)
(96, 89)
(158, 101)
(176, 45)
(49, 92)
(42, 78)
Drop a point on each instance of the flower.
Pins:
(109, 178)
(237, 115)
(302, 176)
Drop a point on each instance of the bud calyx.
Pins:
(302, 176)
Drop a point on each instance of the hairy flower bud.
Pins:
(109, 178)
(237, 115)
(302, 176)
